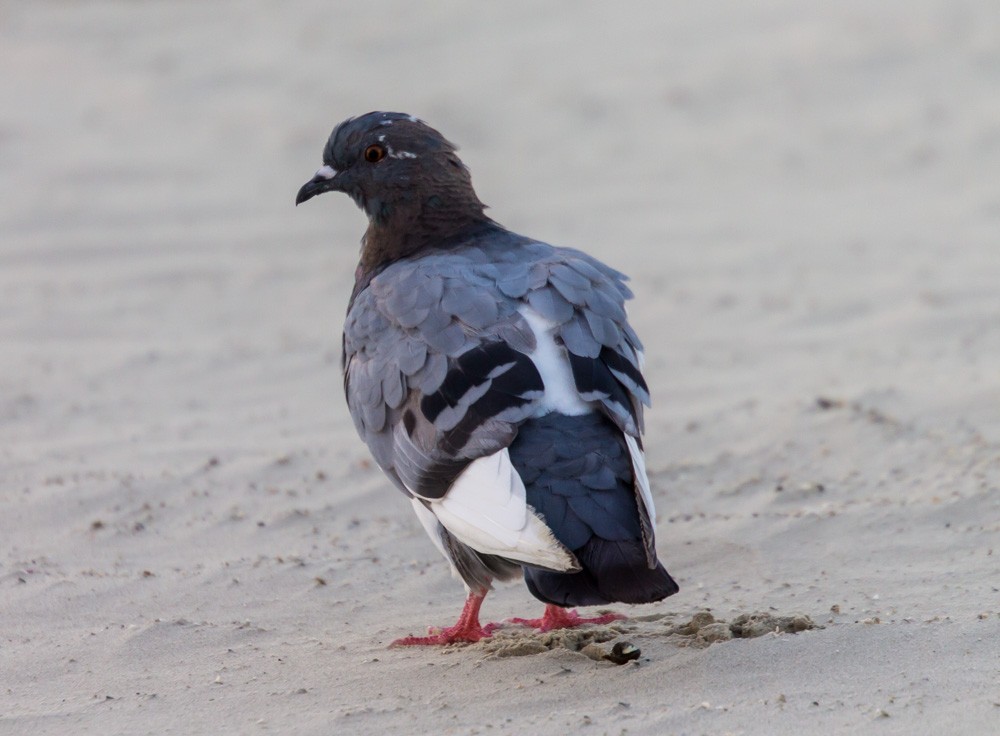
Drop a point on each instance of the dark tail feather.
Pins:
(612, 572)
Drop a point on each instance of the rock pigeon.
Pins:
(496, 381)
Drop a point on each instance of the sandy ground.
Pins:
(192, 539)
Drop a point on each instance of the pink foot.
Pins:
(557, 617)
(466, 630)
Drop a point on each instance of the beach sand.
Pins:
(192, 537)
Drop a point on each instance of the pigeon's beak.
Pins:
(324, 181)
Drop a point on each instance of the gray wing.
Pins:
(586, 299)
(437, 371)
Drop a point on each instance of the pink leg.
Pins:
(557, 617)
(467, 629)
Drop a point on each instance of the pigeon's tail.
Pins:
(612, 572)
(578, 475)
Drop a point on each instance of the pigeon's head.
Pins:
(395, 167)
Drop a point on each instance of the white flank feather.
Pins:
(639, 467)
(431, 525)
(486, 508)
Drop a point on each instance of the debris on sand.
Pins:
(701, 630)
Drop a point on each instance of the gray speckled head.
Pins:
(386, 159)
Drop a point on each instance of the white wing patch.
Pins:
(642, 480)
(486, 508)
(553, 366)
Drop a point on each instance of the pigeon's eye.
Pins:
(374, 153)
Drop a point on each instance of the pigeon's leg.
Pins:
(467, 629)
(557, 617)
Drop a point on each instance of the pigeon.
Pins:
(497, 383)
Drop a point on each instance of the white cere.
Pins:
(326, 172)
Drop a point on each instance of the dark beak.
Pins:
(324, 181)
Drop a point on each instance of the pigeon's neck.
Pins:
(408, 233)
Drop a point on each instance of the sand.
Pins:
(192, 538)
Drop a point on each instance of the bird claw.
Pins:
(457, 634)
(466, 631)
(556, 617)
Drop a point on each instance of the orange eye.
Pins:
(374, 153)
